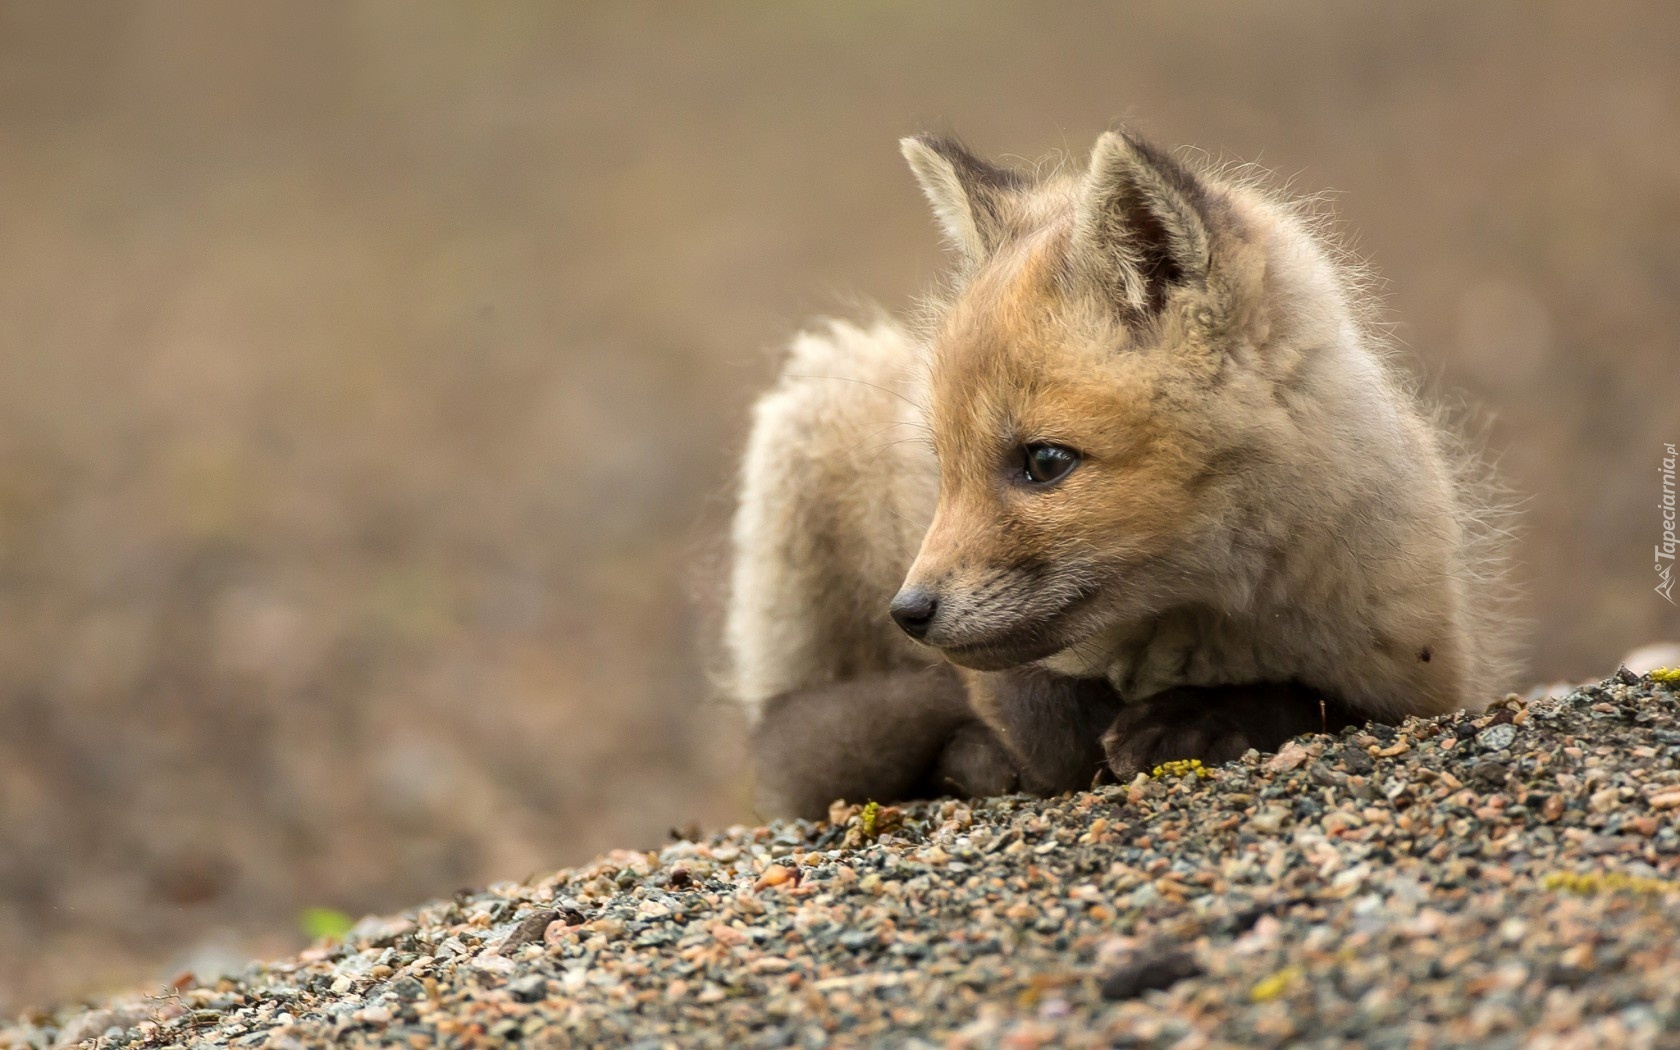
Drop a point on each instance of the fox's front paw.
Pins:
(1145, 735)
(974, 764)
(1217, 724)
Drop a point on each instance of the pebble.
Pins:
(1503, 879)
(1669, 799)
(1497, 738)
(1149, 971)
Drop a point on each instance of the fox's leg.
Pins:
(1051, 724)
(1218, 723)
(891, 736)
(837, 488)
(973, 762)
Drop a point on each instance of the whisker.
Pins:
(861, 382)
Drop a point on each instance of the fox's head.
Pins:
(1099, 385)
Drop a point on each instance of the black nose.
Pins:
(914, 611)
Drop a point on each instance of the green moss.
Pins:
(1269, 988)
(866, 820)
(1182, 767)
(325, 922)
(1590, 883)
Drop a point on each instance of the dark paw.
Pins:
(1216, 724)
(974, 764)
(1147, 734)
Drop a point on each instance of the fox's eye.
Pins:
(1047, 463)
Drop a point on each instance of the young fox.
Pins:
(1142, 487)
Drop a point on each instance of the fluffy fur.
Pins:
(1263, 515)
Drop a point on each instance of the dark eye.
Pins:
(1048, 463)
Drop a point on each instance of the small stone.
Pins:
(1151, 969)
(1644, 826)
(407, 988)
(729, 935)
(1488, 774)
(606, 927)
(1667, 799)
(376, 932)
(529, 931)
(1567, 976)
(558, 932)
(1604, 801)
(492, 962)
(529, 989)
(1497, 737)
(1290, 756)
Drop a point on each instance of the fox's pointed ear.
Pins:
(969, 196)
(1141, 224)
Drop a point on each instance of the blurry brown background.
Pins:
(370, 377)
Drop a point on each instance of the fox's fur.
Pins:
(1263, 515)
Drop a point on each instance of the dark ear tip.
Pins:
(1126, 149)
(1140, 144)
(970, 166)
(946, 145)
(1143, 148)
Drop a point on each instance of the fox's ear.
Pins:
(969, 196)
(1141, 223)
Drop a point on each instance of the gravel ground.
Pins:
(1505, 880)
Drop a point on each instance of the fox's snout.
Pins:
(943, 613)
(914, 610)
(1003, 618)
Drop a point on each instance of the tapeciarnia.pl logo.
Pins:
(1665, 549)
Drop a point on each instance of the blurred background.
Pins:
(371, 376)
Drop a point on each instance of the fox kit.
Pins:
(1140, 487)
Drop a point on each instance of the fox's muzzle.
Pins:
(914, 609)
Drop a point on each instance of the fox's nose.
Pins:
(914, 611)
